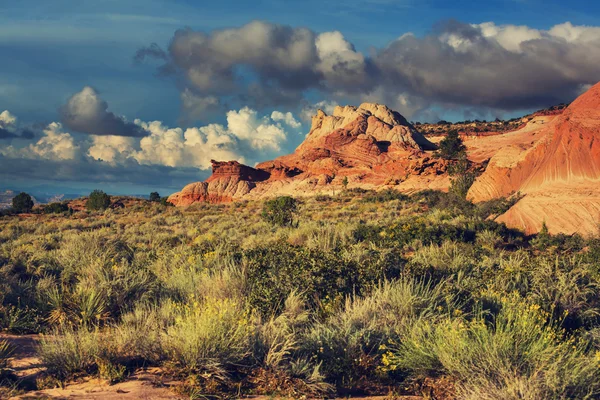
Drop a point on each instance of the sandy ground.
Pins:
(144, 384)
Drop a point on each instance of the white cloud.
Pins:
(53, 145)
(112, 149)
(338, 59)
(287, 118)
(260, 133)
(7, 119)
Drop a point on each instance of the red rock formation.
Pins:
(228, 169)
(371, 145)
(558, 171)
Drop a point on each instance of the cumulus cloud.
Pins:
(55, 144)
(284, 61)
(287, 118)
(483, 65)
(182, 155)
(112, 149)
(246, 137)
(9, 128)
(86, 112)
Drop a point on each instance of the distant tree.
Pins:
(154, 196)
(22, 203)
(451, 147)
(56, 208)
(98, 200)
(280, 211)
(345, 182)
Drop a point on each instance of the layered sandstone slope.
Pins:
(557, 168)
(369, 146)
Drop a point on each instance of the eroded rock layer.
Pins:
(371, 146)
(556, 168)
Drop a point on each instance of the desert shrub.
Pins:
(520, 354)
(22, 203)
(349, 344)
(165, 202)
(6, 351)
(98, 200)
(56, 208)
(209, 336)
(440, 261)
(154, 197)
(274, 272)
(565, 289)
(280, 211)
(451, 147)
(20, 319)
(68, 352)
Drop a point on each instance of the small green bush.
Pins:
(154, 197)
(451, 147)
(280, 211)
(22, 203)
(98, 200)
(56, 208)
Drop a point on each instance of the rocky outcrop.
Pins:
(371, 145)
(557, 169)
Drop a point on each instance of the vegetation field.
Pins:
(350, 294)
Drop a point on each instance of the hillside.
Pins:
(551, 157)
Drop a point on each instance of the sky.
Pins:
(139, 95)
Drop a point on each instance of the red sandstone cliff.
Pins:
(556, 167)
(371, 145)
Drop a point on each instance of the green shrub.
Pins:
(451, 147)
(67, 352)
(280, 211)
(56, 208)
(210, 336)
(154, 197)
(520, 354)
(98, 200)
(22, 203)
(274, 272)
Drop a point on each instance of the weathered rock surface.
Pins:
(371, 145)
(556, 167)
(553, 159)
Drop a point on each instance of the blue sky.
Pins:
(52, 49)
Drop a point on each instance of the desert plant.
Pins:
(280, 211)
(22, 203)
(451, 147)
(209, 336)
(154, 197)
(519, 354)
(98, 200)
(56, 208)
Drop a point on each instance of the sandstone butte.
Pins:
(552, 161)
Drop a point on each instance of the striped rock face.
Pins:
(371, 146)
(555, 166)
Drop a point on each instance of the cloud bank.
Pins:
(504, 67)
(176, 153)
(86, 112)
